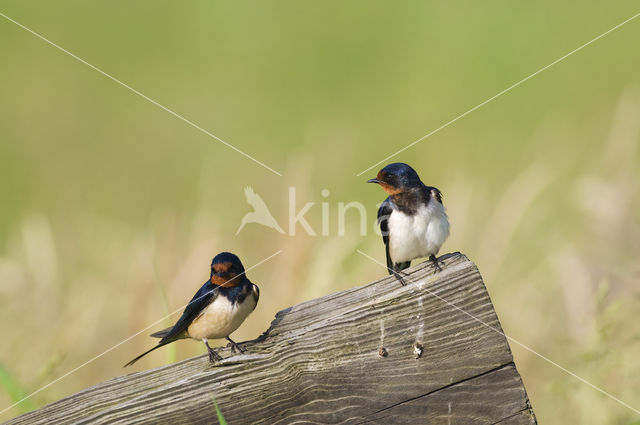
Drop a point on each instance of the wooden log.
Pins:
(320, 362)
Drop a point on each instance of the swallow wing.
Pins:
(200, 300)
(384, 212)
(205, 296)
(435, 193)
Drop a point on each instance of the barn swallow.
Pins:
(216, 310)
(413, 220)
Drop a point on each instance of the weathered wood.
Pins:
(319, 362)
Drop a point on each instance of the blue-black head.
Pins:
(397, 177)
(226, 264)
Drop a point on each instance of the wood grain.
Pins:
(319, 363)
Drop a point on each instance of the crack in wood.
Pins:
(526, 411)
(440, 389)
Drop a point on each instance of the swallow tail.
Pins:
(162, 333)
(160, 344)
(405, 265)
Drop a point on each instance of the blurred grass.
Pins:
(15, 392)
(112, 209)
(170, 352)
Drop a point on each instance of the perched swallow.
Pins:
(216, 310)
(413, 220)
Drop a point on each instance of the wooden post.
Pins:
(429, 352)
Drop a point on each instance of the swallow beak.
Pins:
(373, 181)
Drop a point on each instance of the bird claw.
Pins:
(436, 263)
(398, 276)
(234, 346)
(213, 356)
(237, 348)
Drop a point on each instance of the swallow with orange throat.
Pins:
(412, 219)
(216, 310)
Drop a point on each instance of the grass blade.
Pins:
(15, 391)
(221, 419)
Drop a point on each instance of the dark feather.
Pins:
(160, 344)
(435, 193)
(383, 221)
(402, 266)
(205, 296)
(256, 292)
(162, 333)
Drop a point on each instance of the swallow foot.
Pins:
(397, 274)
(436, 263)
(234, 346)
(213, 356)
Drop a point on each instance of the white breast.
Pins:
(420, 235)
(221, 318)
